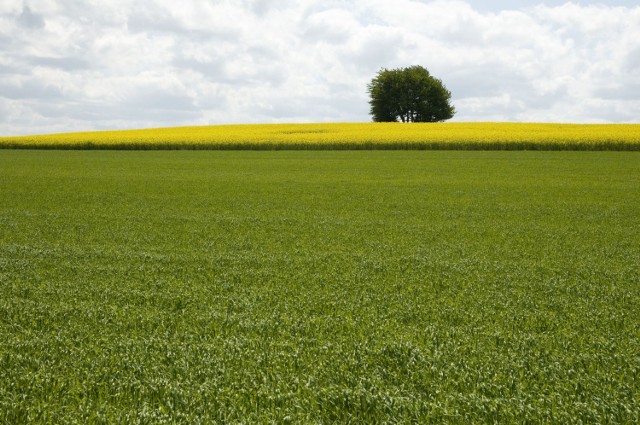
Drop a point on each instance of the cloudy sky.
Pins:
(69, 65)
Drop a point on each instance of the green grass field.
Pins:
(319, 287)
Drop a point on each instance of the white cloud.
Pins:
(123, 64)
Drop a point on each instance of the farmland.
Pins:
(350, 136)
(319, 287)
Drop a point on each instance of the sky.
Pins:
(78, 65)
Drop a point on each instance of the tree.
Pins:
(409, 95)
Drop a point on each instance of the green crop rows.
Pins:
(319, 287)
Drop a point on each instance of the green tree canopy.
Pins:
(409, 95)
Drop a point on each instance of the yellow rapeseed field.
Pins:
(350, 136)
